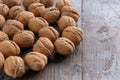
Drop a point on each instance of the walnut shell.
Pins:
(35, 60)
(24, 17)
(2, 21)
(61, 3)
(12, 26)
(24, 38)
(11, 3)
(9, 48)
(74, 34)
(14, 66)
(37, 9)
(3, 36)
(4, 10)
(44, 46)
(51, 15)
(70, 11)
(49, 32)
(26, 3)
(2, 60)
(64, 46)
(66, 21)
(47, 3)
(36, 24)
(14, 11)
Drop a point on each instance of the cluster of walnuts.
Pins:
(19, 25)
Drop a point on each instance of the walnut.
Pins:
(14, 66)
(14, 11)
(51, 15)
(11, 3)
(61, 3)
(9, 48)
(4, 10)
(24, 38)
(74, 34)
(24, 17)
(12, 26)
(44, 46)
(2, 60)
(64, 46)
(66, 21)
(3, 36)
(2, 21)
(37, 23)
(47, 3)
(35, 60)
(70, 11)
(37, 9)
(49, 32)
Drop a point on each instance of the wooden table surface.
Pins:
(98, 56)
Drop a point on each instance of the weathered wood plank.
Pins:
(101, 52)
(68, 69)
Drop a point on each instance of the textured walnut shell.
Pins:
(49, 32)
(51, 15)
(47, 3)
(74, 34)
(24, 17)
(36, 61)
(12, 26)
(44, 46)
(36, 24)
(2, 60)
(11, 3)
(4, 10)
(26, 3)
(9, 48)
(64, 46)
(2, 21)
(3, 36)
(37, 9)
(61, 3)
(24, 38)
(70, 11)
(14, 66)
(14, 11)
(66, 21)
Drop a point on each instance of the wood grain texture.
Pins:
(101, 51)
(65, 68)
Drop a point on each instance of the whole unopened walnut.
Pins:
(36, 61)
(14, 11)
(37, 9)
(24, 38)
(44, 46)
(49, 32)
(64, 46)
(4, 10)
(2, 21)
(47, 3)
(12, 26)
(14, 66)
(66, 21)
(74, 34)
(35, 24)
(9, 48)
(70, 11)
(3, 36)
(24, 17)
(11, 3)
(26, 3)
(61, 3)
(2, 60)
(51, 14)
